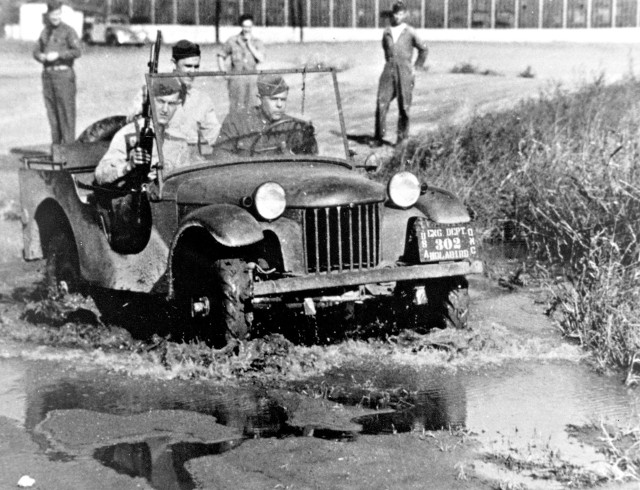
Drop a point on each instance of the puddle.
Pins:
(506, 407)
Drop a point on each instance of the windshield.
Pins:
(220, 118)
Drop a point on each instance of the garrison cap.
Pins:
(54, 5)
(269, 85)
(167, 86)
(398, 6)
(185, 49)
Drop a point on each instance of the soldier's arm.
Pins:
(209, 125)
(226, 144)
(257, 49)
(38, 50)
(223, 55)
(73, 46)
(422, 48)
(115, 162)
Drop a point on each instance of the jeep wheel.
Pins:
(447, 304)
(232, 307)
(62, 269)
(214, 298)
(455, 304)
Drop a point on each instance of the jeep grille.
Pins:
(342, 238)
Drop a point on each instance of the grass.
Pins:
(468, 68)
(560, 173)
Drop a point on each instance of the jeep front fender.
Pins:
(231, 226)
(442, 207)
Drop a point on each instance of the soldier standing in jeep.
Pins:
(266, 128)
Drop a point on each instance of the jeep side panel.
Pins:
(47, 196)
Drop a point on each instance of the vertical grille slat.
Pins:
(342, 238)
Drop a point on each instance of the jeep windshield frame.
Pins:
(313, 115)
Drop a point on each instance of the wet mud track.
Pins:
(395, 422)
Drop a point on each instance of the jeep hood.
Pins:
(306, 184)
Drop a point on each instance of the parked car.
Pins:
(115, 30)
(294, 224)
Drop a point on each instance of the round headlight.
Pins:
(269, 200)
(404, 189)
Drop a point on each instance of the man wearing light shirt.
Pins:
(398, 76)
(195, 121)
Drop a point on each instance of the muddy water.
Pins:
(512, 405)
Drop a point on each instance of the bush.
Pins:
(563, 171)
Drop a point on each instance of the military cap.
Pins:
(269, 85)
(185, 49)
(398, 6)
(167, 86)
(54, 5)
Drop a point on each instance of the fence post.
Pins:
(565, 7)
(540, 14)
(152, 14)
(423, 14)
(108, 8)
(469, 13)
(196, 14)
(493, 14)
(264, 12)
(308, 13)
(331, 13)
(240, 7)
(174, 15)
(377, 13)
(516, 14)
(614, 12)
(589, 13)
(354, 13)
(286, 12)
(130, 9)
(446, 13)
(638, 13)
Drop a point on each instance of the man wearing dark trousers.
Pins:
(397, 79)
(56, 49)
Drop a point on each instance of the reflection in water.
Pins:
(158, 460)
(510, 404)
(430, 410)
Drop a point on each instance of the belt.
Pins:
(57, 68)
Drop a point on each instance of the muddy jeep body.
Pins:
(212, 255)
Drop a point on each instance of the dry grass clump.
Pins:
(561, 172)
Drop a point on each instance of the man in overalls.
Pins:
(397, 79)
(57, 47)
(245, 52)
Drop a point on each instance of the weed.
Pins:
(562, 171)
(465, 68)
(527, 73)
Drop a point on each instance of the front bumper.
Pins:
(387, 274)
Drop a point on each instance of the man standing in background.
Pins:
(246, 52)
(398, 75)
(57, 47)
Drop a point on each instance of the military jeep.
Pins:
(279, 223)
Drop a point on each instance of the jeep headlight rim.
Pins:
(404, 189)
(269, 200)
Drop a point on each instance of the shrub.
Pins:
(562, 170)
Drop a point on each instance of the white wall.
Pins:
(206, 34)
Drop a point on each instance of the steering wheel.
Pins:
(299, 137)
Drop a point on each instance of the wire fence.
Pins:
(476, 14)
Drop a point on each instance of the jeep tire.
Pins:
(447, 304)
(454, 304)
(232, 308)
(62, 264)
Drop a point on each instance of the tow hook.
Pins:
(200, 308)
(420, 296)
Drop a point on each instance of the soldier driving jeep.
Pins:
(266, 128)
